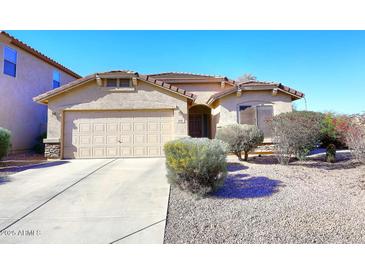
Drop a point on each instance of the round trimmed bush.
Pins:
(240, 138)
(5, 144)
(197, 165)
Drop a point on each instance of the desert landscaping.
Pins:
(262, 202)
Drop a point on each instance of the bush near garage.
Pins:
(196, 165)
(5, 142)
(240, 138)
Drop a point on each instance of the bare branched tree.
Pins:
(247, 77)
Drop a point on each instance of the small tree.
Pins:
(240, 138)
(246, 77)
(296, 133)
(5, 144)
(332, 130)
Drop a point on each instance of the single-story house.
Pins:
(127, 114)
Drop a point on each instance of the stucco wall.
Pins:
(225, 111)
(18, 113)
(92, 97)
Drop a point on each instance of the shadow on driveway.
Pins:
(35, 166)
(4, 180)
(241, 186)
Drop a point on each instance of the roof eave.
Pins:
(16, 42)
(43, 98)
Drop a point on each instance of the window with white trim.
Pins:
(56, 79)
(259, 115)
(10, 58)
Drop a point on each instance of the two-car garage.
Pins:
(114, 115)
(111, 134)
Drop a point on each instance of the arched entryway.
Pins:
(200, 121)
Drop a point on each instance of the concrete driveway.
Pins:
(86, 201)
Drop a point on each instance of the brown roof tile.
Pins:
(254, 84)
(176, 76)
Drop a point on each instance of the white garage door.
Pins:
(109, 134)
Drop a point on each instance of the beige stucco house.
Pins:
(127, 114)
(26, 73)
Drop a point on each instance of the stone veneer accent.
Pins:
(52, 151)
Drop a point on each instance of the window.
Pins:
(111, 82)
(121, 83)
(264, 115)
(257, 115)
(247, 115)
(124, 83)
(56, 79)
(10, 57)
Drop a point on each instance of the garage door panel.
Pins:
(99, 152)
(99, 140)
(112, 140)
(139, 139)
(153, 139)
(84, 128)
(126, 139)
(154, 151)
(112, 152)
(126, 151)
(99, 128)
(139, 151)
(85, 152)
(110, 134)
(154, 126)
(126, 126)
(139, 126)
(85, 140)
(112, 127)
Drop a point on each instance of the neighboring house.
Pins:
(25, 73)
(126, 114)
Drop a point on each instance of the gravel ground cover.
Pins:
(18, 162)
(263, 202)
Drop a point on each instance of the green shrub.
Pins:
(197, 165)
(5, 142)
(240, 138)
(39, 146)
(296, 133)
(331, 130)
(331, 153)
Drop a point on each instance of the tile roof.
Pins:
(174, 74)
(253, 85)
(190, 76)
(115, 74)
(38, 54)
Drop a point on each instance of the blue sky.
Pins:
(328, 66)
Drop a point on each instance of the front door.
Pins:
(196, 125)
